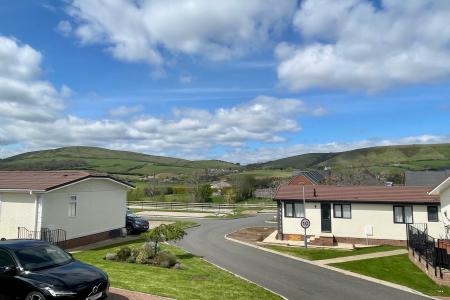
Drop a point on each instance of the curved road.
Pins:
(291, 278)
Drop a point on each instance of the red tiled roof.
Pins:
(45, 180)
(376, 194)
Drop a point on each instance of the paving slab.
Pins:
(361, 257)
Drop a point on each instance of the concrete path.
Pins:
(120, 294)
(361, 257)
(288, 277)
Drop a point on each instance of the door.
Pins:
(326, 217)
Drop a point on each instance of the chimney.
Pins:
(315, 193)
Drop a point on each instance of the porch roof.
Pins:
(361, 194)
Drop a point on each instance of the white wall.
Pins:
(101, 207)
(16, 210)
(445, 204)
(380, 216)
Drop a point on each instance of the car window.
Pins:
(42, 257)
(6, 260)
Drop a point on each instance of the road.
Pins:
(290, 278)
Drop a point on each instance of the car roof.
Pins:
(19, 244)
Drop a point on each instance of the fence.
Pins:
(199, 206)
(435, 252)
(56, 237)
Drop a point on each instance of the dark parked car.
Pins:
(136, 223)
(37, 270)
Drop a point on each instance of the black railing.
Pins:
(56, 237)
(422, 244)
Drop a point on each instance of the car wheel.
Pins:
(129, 229)
(35, 296)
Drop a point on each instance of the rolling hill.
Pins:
(378, 160)
(387, 159)
(105, 160)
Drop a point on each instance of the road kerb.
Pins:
(345, 272)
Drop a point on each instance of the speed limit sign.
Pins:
(305, 223)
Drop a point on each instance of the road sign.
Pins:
(305, 223)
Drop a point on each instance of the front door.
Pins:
(326, 217)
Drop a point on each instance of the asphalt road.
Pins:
(290, 278)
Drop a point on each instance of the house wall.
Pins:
(101, 207)
(379, 216)
(445, 204)
(16, 210)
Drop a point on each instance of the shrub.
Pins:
(151, 248)
(131, 260)
(165, 259)
(142, 257)
(135, 252)
(123, 253)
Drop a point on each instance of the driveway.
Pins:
(290, 278)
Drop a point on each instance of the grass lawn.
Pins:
(324, 253)
(397, 269)
(197, 279)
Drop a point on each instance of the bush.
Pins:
(131, 260)
(135, 252)
(165, 259)
(123, 253)
(142, 257)
(150, 248)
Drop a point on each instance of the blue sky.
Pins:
(241, 81)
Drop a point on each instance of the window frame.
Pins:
(341, 205)
(402, 206)
(71, 201)
(437, 213)
(293, 209)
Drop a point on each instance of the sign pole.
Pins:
(306, 240)
(305, 223)
(304, 214)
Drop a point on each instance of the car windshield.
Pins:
(42, 257)
(131, 215)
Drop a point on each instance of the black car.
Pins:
(136, 223)
(37, 270)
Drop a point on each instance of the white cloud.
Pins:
(64, 27)
(143, 30)
(23, 96)
(123, 110)
(186, 79)
(353, 45)
(263, 154)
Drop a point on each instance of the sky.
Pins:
(242, 81)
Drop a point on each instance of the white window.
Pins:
(343, 211)
(403, 214)
(299, 210)
(294, 210)
(73, 206)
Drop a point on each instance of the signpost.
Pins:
(305, 223)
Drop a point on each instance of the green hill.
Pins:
(105, 160)
(388, 159)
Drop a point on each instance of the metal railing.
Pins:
(198, 206)
(56, 237)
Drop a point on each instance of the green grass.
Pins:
(397, 269)
(325, 253)
(197, 279)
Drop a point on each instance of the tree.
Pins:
(163, 233)
(244, 185)
(205, 193)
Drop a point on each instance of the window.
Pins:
(433, 213)
(6, 260)
(343, 211)
(73, 206)
(403, 214)
(294, 210)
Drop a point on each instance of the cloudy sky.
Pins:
(243, 81)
